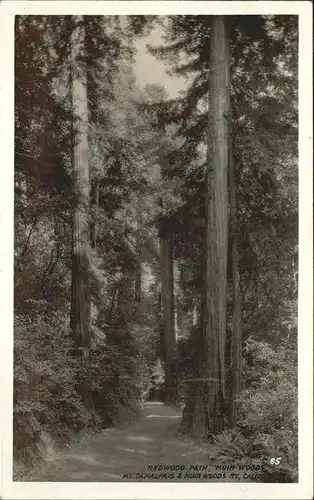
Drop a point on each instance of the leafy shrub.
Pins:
(45, 379)
(270, 405)
(268, 426)
(112, 364)
(258, 452)
(149, 368)
(232, 447)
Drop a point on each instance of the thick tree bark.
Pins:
(95, 201)
(236, 333)
(81, 300)
(166, 266)
(209, 389)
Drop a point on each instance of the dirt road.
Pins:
(129, 453)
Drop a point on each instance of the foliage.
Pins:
(122, 152)
(264, 130)
(148, 368)
(45, 378)
(135, 134)
(268, 426)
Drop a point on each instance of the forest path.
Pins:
(110, 455)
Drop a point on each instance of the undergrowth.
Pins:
(268, 426)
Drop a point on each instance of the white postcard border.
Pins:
(31, 490)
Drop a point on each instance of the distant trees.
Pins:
(167, 293)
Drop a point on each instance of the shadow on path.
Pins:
(131, 449)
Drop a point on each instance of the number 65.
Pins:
(275, 461)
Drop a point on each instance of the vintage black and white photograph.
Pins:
(156, 250)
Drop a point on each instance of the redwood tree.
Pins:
(236, 323)
(167, 294)
(203, 412)
(81, 295)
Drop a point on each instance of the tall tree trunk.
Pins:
(166, 266)
(208, 391)
(161, 346)
(138, 265)
(81, 300)
(95, 201)
(236, 333)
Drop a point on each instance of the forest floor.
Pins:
(133, 449)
